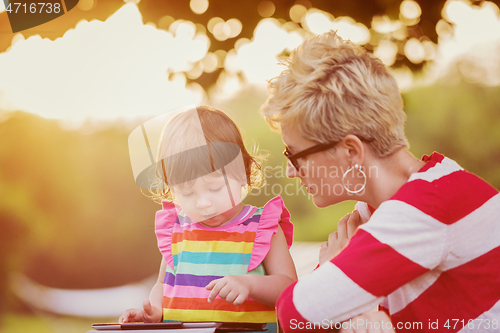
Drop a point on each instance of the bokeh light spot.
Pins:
(386, 51)
(297, 12)
(198, 6)
(240, 42)
(86, 4)
(266, 8)
(383, 24)
(195, 72)
(319, 22)
(443, 29)
(213, 22)
(165, 22)
(221, 57)
(414, 51)
(410, 9)
(210, 62)
(185, 29)
(222, 31)
(231, 62)
(455, 11)
(404, 77)
(235, 26)
(430, 50)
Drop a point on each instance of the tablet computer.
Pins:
(220, 326)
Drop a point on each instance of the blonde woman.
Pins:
(428, 246)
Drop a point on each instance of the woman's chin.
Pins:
(320, 201)
(325, 201)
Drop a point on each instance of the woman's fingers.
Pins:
(353, 223)
(342, 226)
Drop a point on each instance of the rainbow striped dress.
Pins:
(196, 255)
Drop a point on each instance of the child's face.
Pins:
(207, 199)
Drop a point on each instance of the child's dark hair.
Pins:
(200, 141)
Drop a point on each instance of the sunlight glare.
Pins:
(318, 22)
(116, 68)
(257, 59)
(228, 84)
(471, 26)
(472, 41)
(384, 25)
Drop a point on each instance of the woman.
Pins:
(429, 243)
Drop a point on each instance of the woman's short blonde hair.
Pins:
(331, 88)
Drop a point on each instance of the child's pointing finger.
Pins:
(215, 286)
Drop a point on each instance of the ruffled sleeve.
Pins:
(274, 212)
(164, 225)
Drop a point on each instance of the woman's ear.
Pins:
(353, 148)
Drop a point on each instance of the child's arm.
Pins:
(280, 272)
(151, 311)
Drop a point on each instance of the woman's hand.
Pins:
(365, 323)
(338, 239)
(148, 314)
(233, 288)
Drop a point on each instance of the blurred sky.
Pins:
(122, 67)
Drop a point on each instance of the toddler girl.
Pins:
(222, 260)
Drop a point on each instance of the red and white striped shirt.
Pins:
(430, 255)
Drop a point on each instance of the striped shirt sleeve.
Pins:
(405, 238)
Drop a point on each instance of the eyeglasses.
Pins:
(311, 150)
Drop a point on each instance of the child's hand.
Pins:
(338, 239)
(148, 314)
(233, 288)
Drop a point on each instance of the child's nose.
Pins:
(203, 203)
